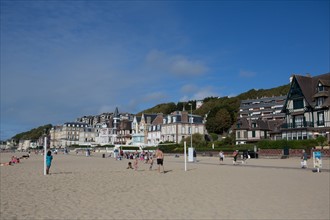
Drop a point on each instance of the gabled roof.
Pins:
(116, 113)
(146, 116)
(262, 125)
(138, 119)
(308, 86)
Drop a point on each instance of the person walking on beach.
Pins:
(195, 156)
(221, 155)
(304, 159)
(235, 154)
(160, 159)
(49, 159)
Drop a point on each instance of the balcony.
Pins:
(306, 124)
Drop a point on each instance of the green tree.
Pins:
(197, 140)
(33, 134)
(218, 122)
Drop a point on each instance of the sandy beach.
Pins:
(93, 187)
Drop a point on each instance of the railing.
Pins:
(306, 124)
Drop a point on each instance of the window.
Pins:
(299, 135)
(320, 101)
(298, 103)
(174, 119)
(299, 121)
(304, 135)
(320, 118)
(254, 125)
(253, 133)
(320, 87)
(294, 136)
(238, 134)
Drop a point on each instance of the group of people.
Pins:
(149, 159)
(15, 160)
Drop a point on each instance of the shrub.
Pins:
(292, 144)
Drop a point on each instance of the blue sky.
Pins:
(65, 59)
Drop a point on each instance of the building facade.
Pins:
(267, 108)
(307, 108)
(259, 119)
(72, 133)
(179, 125)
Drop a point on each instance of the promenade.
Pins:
(93, 187)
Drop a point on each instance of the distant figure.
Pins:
(304, 159)
(49, 159)
(195, 156)
(129, 165)
(235, 154)
(151, 162)
(136, 162)
(6, 164)
(14, 159)
(25, 156)
(221, 156)
(160, 159)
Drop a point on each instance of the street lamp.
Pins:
(190, 124)
(45, 150)
(190, 149)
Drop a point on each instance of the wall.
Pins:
(292, 152)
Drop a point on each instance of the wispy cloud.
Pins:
(175, 64)
(194, 92)
(247, 74)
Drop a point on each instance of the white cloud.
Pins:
(175, 64)
(193, 92)
(247, 74)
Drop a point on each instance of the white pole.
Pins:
(185, 156)
(191, 125)
(45, 154)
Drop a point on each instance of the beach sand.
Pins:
(93, 187)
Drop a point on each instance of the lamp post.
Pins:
(190, 124)
(190, 149)
(45, 150)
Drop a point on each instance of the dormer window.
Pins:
(320, 101)
(191, 119)
(320, 87)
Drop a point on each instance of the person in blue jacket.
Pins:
(49, 159)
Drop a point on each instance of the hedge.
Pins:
(264, 144)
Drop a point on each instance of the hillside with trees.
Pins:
(221, 112)
(33, 134)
